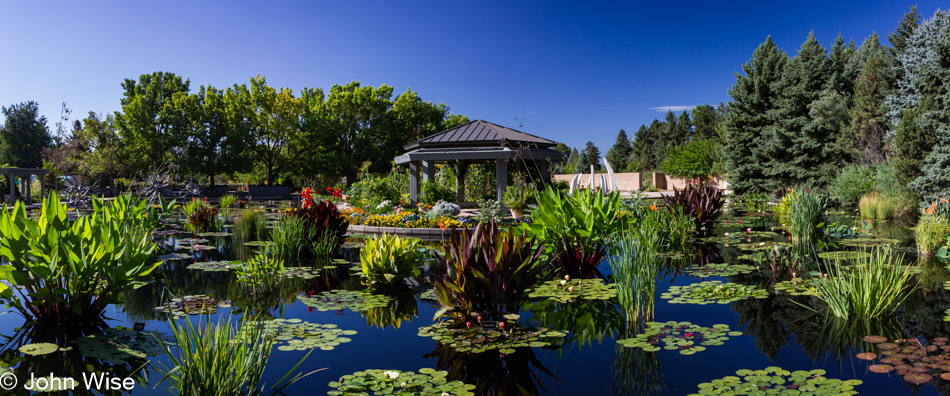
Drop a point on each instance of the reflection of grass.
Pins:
(840, 337)
(635, 371)
(635, 265)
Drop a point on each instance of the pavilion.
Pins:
(477, 142)
(26, 176)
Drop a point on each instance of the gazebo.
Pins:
(477, 142)
(25, 175)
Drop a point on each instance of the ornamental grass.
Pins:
(868, 287)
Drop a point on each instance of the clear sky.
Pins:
(575, 71)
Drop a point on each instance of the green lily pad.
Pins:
(798, 287)
(776, 381)
(192, 305)
(477, 338)
(844, 255)
(214, 234)
(118, 344)
(395, 382)
(868, 241)
(299, 335)
(712, 292)
(215, 266)
(176, 256)
(684, 337)
(719, 269)
(39, 348)
(336, 300)
(564, 290)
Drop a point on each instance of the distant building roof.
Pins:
(479, 133)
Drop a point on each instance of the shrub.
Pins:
(388, 260)
(65, 274)
(851, 184)
(517, 197)
(701, 204)
(443, 208)
(930, 234)
(490, 210)
(691, 160)
(806, 216)
(321, 218)
(221, 359)
(431, 191)
(867, 288)
(202, 217)
(488, 272)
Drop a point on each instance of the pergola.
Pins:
(25, 175)
(477, 142)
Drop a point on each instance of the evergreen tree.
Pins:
(23, 136)
(639, 160)
(684, 129)
(747, 120)
(868, 124)
(918, 51)
(934, 123)
(905, 28)
(841, 70)
(620, 152)
(911, 145)
(705, 121)
(589, 156)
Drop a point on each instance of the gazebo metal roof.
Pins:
(479, 133)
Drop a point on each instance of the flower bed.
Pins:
(409, 220)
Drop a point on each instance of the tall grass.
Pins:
(291, 239)
(867, 288)
(221, 359)
(879, 206)
(806, 215)
(635, 265)
(931, 233)
(228, 201)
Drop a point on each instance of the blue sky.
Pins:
(575, 71)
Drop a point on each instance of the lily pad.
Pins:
(215, 266)
(176, 256)
(214, 234)
(39, 348)
(193, 305)
(395, 382)
(299, 335)
(684, 337)
(336, 300)
(118, 344)
(775, 380)
(844, 255)
(868, 242)
(719, 269)
(712, 292)
(477, 338)
(564, 290)
(798, 287)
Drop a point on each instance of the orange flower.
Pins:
(943, 200)
(652, 207)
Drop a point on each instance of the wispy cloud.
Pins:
(664, 109)
(530, 111)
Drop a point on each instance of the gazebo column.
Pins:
(43, 187)
(428, 171)
(544, 166)
(414, 182)
(12, 197)
(501, 177)
(28, 187)
(461, 168)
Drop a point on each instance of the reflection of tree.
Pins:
(70, 363)
(403, 307)
(768, 332)
(173, 279)
(494, 373)
(585, 320)
(635, 371)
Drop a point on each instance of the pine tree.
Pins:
(684, 129)
(590, 156)
(620, 152)
(911, 145)
(904, 29)
(639, 160)
(747, 120)
(705, 121)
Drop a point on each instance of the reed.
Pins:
(931, 233)
(806, 215)
(866, 288)
(228, 201)
(221, 359)
(635, 266)
(879, 206)
(291, 239)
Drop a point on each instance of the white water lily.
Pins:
(391, 374)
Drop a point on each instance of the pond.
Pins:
(776, 335)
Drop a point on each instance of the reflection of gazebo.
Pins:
(477, 142)
(26, 177)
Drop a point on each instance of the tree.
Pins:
(691, 160)
(23, 136)
(104, 143)
(66, 154)
(212, 144)
(934, 123)
(911, 144)
(683, 131)
(747, 120)
(705, 121)
(642, 157)
(868, 124)
(918, 52)
(589, 156)
(620, 152)
(905, 28)
(267, 118)
(147, 123)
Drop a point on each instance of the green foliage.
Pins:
(868, 288)
(149, 128)
(65, 274)
(23, 136)
(490, 210)
(700, 204)
(634, 263)
(590, 156)
(691, 160)
(388, 260)
(806, 216)
(518, 196)
(489, 272)
(249, 226)
(291, 239)
(321, 220)
(211, 126)
(911, 145)
(931, 232)
(881, 206)
(263, 271)
(201, 216)
(432, 191)
(620, 152)
(851, 184)
(373, 190)
(221, 359)
(228, 201)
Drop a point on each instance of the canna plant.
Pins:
(702, 205)
(388, 260)
(201, 215)
(65, 274)
(321, 218)
(488, 272)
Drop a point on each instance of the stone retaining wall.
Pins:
(425, 234)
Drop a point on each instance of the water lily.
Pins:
(468, 324)
(391, 374)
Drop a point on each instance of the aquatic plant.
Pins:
(479, 335)
(865, 288)
(684, 337)
(201, 215)
(291, 239)
(323, 249)
(300, 335)
(192, 305)
(918, 363)
(214, 266)
(931, 233)
(388, 260)
(428, 382)
(712, 292)
(775, 380)
(701, 204)
(879, 206)
(806, 216)
(116, 345)
(754, 202)
(220, 359)
(63, 273)
(488, 271)
(321, 218)
(798, 287)
(262, 271)
(844, 255)
(868, 242)
(635, 266)
(228, 201)
(719, 269)
(336, 300)
(568, 289)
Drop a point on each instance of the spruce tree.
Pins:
(904, 29)
(590, 156)
(911, 145)
(934, 123)
(705, 120)
(868, 124)
(639, 160)
(918, 52)
(620, 152)
(747, 120)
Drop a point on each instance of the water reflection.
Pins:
(635, 371)
(494, 373)
(586, 321)
(402, 308)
